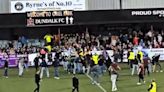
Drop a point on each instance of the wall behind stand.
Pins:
(6, 34)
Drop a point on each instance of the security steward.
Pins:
(131, 58)
(153, 87)
(49, 42)
(95, 68)
(140, 54)
(48, 39)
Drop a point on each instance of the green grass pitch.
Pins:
(126, 83)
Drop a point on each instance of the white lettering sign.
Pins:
(21, 6)
(159, 13)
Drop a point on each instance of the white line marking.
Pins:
(97, 84)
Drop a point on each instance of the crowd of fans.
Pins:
(78, 52)
(86, 41)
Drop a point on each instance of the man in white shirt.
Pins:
(21, 66)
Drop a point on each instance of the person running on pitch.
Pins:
(75, 82)
(36, 62)
(21, 66)
(95, 69)
(114, 74)
(6, 66)
(152, 87)
(156, 62)
(135, 64)
(141, 74)
(131, 58)
(146, 61)
(44, 67)
(37, 81)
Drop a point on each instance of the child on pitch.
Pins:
(75, 84)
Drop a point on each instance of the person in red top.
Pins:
(141, 73)
(43, 53)
(135, 40)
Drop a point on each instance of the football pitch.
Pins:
(126, 82)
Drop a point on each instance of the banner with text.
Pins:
(147, 52)
(13, 60)
(49, 17)
(21, 6)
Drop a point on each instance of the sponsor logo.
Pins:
(19, 6)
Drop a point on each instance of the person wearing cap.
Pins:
(75, 84)
(153, 86)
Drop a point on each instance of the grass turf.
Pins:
(126, 83)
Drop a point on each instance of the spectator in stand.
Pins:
(23, 40)
(136, 40)
(150, 35)
(160, 38)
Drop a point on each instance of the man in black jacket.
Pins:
(156, 62)
(75, 82)
(37, 81)
(36, 62)
(6, 67)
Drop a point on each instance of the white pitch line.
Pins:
(97, 84)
